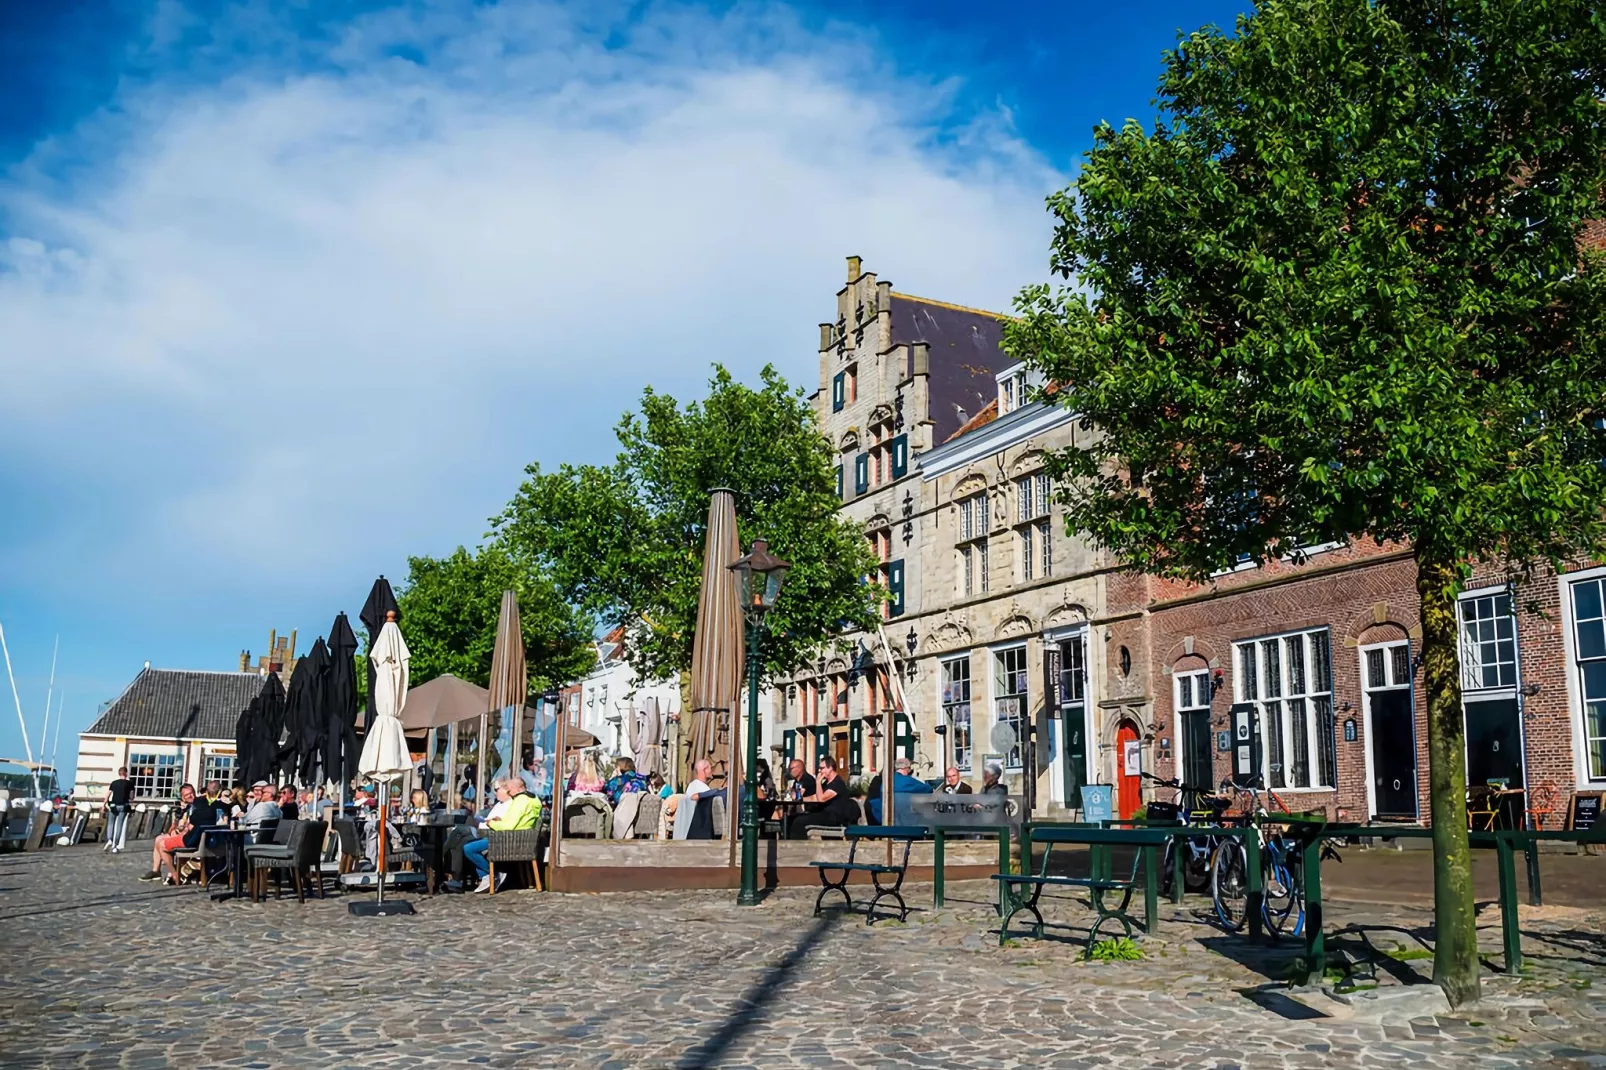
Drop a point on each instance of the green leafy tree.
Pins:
(450, 608)
(1338, 292)
(626, 541)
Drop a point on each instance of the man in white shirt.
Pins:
(263, 805)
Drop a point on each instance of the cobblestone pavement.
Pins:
(100, 971)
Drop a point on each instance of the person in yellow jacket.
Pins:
(518, 809)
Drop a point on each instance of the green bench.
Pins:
(1021, 891)
(855, 835)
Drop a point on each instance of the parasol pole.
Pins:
(50, 693)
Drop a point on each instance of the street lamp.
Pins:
(759, 575)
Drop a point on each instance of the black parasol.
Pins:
(340, 749)
(381, 600)
(301, 706)
(246, 731)
(265, 735)
(309, 750)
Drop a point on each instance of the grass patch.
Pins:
(1121, 949)
(1402, 954)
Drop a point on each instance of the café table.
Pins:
(234, 841)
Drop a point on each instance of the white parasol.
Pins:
(384, 750)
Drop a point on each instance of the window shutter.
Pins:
(839, 481)
(903, 736)
(861, 473)
(895, 588)
(839, 392)
(855, 748)
(900, 456)
(789, 741)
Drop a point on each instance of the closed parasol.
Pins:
(510, 684)
(302, 710)
(340, 706)
(265, 738)
(716, 672)
(643, 730)
(381, 600)
(384, 748)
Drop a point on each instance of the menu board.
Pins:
(1585, 810)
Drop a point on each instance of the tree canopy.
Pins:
(1339, 291)
(625, 541)
(451, 605)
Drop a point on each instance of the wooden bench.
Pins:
(855, 835)
(1021, 891)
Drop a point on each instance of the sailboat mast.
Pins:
(56, 747)
(16, 698)
(50, 694)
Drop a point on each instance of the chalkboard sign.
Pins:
(1585, 810)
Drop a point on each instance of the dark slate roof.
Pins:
(177, 704)
(965, 357)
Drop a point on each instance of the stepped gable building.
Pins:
(169, 727)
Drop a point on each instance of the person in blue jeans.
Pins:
(516, 809)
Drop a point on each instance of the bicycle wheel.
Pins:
(1229, 884)
(1283, 905)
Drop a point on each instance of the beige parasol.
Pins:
(510, 684)
(716, 673)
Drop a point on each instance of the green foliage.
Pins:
(1339, 292)
(450, 607)
(626, 541)
(1121, 949)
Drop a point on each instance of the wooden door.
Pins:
(1128, 782)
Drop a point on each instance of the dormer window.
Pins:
(1014, 386)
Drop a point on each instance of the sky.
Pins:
(290, 291)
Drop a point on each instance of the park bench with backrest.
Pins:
(855, 835)
(1022, 891)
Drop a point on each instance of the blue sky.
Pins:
(292, 290)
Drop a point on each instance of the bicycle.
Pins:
(1281, 865)
(1193, 806)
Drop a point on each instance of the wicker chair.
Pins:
(647, 816)
(587, 817)
(519, 847)
(299, 855)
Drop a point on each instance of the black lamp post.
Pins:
(760, 576)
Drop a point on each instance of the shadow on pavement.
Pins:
(120, 900)
(749, 1012)
(1280, 1003)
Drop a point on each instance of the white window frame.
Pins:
(972, 528)
(1285, 698)
(160, 759)
(207, 766)
(1025, 552)
(995, 697)
(1575, 679)
(1478, 688)
(1199, 678)
(959, 732)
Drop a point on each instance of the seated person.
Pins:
(903, 783)
(694, 817)
(521, 810)
(625, 780)
(163, 847)
(953, 784)
(264, 805)
(289, 810)
(834, 809)
(799, 784)
(588, 778)
(992, 782)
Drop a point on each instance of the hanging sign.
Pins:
(1132, 758)
(1245, 743)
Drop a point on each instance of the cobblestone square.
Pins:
(102, 971)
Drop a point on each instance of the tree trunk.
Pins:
(1455, 954)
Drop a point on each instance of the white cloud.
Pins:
(320, 312)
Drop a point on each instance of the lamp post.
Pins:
(760, 576)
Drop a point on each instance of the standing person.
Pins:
(836, 807)
(118, 794)
(953, 785)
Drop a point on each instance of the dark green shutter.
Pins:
(861, 473)
(839, 392)
(895, 588)
(903, 736)
(839, 481)
(855, 748)
(900, 456)
(789, 741)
